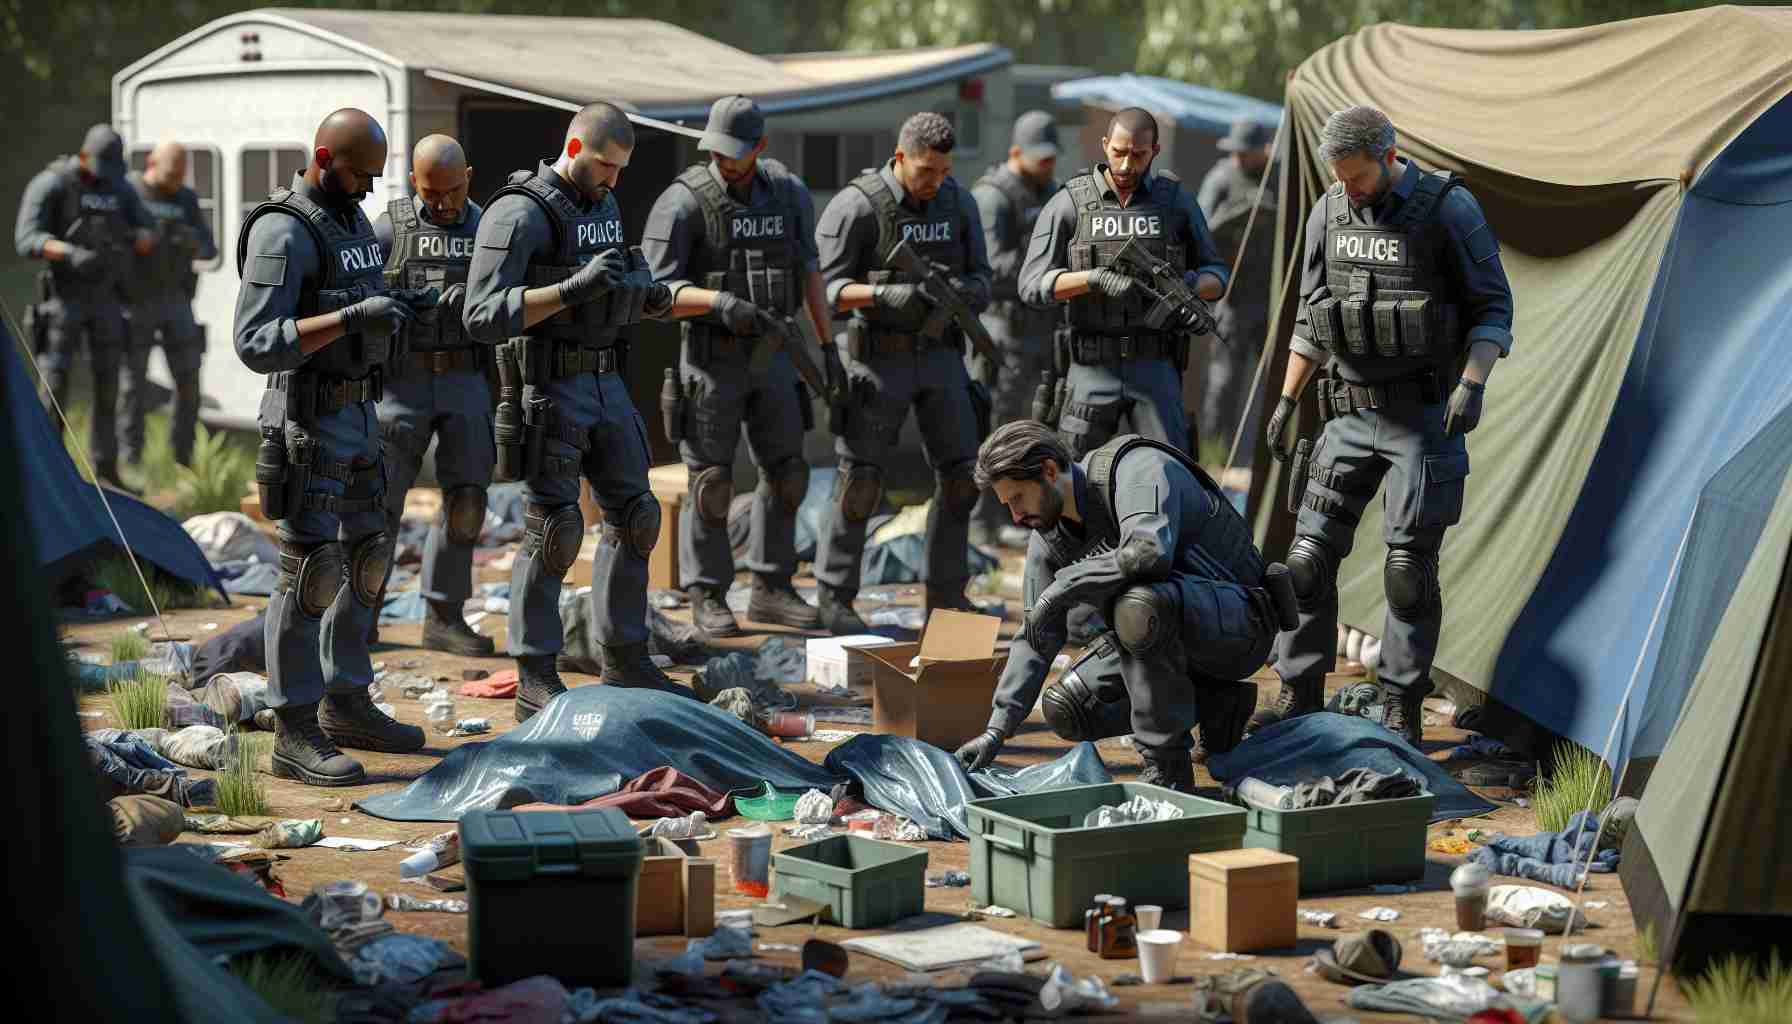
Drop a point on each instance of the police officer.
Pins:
(737, 235)
(161, 311)
(1404, 299)
(439, 389)
(1228, 194)
(1117, 368)
(553, 280)
(1137, 529)
(1010, 196)
(315, 315)
(894, 364)
(80, 216)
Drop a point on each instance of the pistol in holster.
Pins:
(1298, 469)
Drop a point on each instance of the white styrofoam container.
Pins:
(828, 664)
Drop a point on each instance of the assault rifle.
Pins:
(1175, 299)
(949, 304)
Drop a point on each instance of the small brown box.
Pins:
(944, 696)
(699, 896)
(1241, 901)
(674, 893)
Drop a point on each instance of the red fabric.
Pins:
(501, 686)
(537, 1000)
(661, 793)
(1500, 1016)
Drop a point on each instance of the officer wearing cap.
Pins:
(1404, 299)
(1121, 373)
(81, 217)
(1010, 196)
(735, 236)
(1227, 196)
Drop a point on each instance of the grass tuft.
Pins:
(115, 573)
(129, 645)
(1581, 780)
(289, 985)
(218, 478)
(140, 701)
(241, 792)
(1736, 990)
(1647, 951)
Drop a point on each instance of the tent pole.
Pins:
(1251, 395)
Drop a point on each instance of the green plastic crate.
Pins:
(866, 883)
(1350, 845)
(1031, 853)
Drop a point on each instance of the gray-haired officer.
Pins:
(1010, 196)
(737, 234)
(896, 363)
(1403, 297)
(1117, 368)
(81, 217)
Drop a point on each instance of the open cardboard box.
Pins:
(940, 690)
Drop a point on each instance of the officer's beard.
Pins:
(1051, 509)
(338, 197)
(1383, 182)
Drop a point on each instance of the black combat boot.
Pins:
(351, 720)
(1222, 710)
(445, 630)
(630, 665)
(709, 610)
(1297, 697)
(1171, 768)
(1403, 712)
(834, 609)
(537, 683)
(304, 752)
(951, 599)
(778, 604)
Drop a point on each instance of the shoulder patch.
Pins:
(1481, 244)
(497, 234)
(1136, 499)
(266, 269)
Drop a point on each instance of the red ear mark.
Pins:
(572, 147)
(323, 156)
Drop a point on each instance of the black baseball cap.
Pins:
(1245, 136)
(105, 148)
(1036, 133)
(735, 126)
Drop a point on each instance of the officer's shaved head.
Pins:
(599, 124)
(440, 176)
(348, 152)
(1138, 123)
(599, 141)
(438, 152)
(167, 166)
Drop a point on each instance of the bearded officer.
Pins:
(439, 389)
(1010, 196)
(1139, 530)
(1404, 299)
(553, 281)
(315, 315)
(161, 311)
(737, 235)
(1121, 372)
(1229, 194)
(81, 217)
(894, 365)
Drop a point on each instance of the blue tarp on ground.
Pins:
(1194, 106)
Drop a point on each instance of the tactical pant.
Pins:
(310, 654)
(1230, 373)
(1025, 343)
(615, 460)
(1425, 473)
(455, 408)
(723, 392)
(169, 324)
(97, 322)
(1135, 395)
(934, 382)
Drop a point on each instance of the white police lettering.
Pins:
(1351, 245)
(104, 201)
(166, 211)
(361, 257)
(745, 228)
(444, 247)
(599, 232)
(1126, 225)
(922, 234)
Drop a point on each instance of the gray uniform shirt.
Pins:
(1002, 234)
(846, 240)
(267, 320)
(187, 201)
(513, 230)
(675, 225)
(41, 209)
(1048, 255)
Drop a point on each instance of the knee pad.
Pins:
(1145, 615)
(312, 573)
(1410, 580)
(463, 513)
(790, 483)
(1312, 565)
(1089, 701)
(859, 488)
(367, 564)
(556, 533)
(958, 492)
(641, 522)
(712, 491)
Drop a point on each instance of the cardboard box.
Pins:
(831, 666)
(940, 690)
(1241, 901)
(668, 484)
(675, 894)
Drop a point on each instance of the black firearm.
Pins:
(949, 304)
(783, 335)
(1175, 299)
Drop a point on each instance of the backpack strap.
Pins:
(885, 205)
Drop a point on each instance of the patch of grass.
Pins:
(129, 645)
(158, 471)
(241, 791)
(1214, 450)
(289, 985)
(218, 478)
(1736, 990)
(74, 435)
(1647, 950)
(1581, 780)
(115, 573)
(140, 701)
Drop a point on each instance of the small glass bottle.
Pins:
(1092, 921)
(1119, 932)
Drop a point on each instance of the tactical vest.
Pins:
(425, 255)
(1388, 296)
(90, 215)
(350, 262)
(1103, 227)
(932, 234)
(749, 250)
(1220, 548)
(578, 237)
(1027, 202)
(167, 272)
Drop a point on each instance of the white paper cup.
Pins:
(1157, 955)
(1149, 917)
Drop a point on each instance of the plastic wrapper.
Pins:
(1139, 809)
(694, 825)
(1067, 994)
(725, 944)
(471, 727)
(1458, 950)
(440, 714)
(405, 902)
(289, 835)
(438, 851)
(808, 833)
(1526, 906)
(814, 808)
(1319, 918)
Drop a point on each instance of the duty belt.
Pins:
(883, 342)
(337, 506)
(1095, 349)
(330, 394)
(347, 474)
(442, 361)
(1342, 398)
(572, 360)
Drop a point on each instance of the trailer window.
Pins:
(829, 161)
(263, 169)
(202, 178)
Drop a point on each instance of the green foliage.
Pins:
(116, 574)
(241, 792)
(140, 701)
(1580, 781)
(289, 985)
(158, 472)
(218, 478)
(1648, 951)
(1742, 991)
(129, 645)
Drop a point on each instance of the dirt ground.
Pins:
(1430, 906)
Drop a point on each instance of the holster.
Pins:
(270, 457)
(672, 405)
(1298, 469)
(805, 405)
(37, 315)
(541, 415)
(301, 457)
(507, 420)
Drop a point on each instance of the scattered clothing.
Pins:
(1525, 906)
(537, 1000)
(145, 820)
(130, 766)
(405, 606)
(1355, 786)
(1139, 809)
(196, 746)
(291, 834)
(1553, 858)
(231, 537)
(501, 686)
(249, 579)
(1451, 997)
(241, 648)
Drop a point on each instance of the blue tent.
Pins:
(1196, 107)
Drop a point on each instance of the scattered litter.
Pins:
(808, 833)
(1453, 845)
(208, 627)
(736, 919)
(1124, 980)
(1596, 904)
(725, 944)
(900, 616)
(440, 714)
(1230, 956)
(354, 845)
(778, 947)
(1522, 802)
(289, 835)
(1067, 994)
(831, 735)
(1137, 810)
(479, 616)
(991, 911)
(471, 727)
(694, 825)
(1526, 906)
(951, 879)
(814, 808)
(1319, 918)
(141, 627)
(1383, 914)
(402, 901)
(899, 829)
(90, 714)
(437, 851)
(1457, 950)
(399, 958)
(666, 600)
(497, 605)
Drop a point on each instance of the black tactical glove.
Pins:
(1278, 423)
(84, 262)
(453, 298)
(418, 299)
(379, 317)
(978, 753)
(599, 276)
(898, 298)
(1464, 413)
(1196, 318)
(1111, 283)
(659, 301)
(1046, 626)
(739, 315)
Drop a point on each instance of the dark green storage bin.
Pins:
(1350, 845)
(1030, 853)
(866, 883)
(551, 892)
